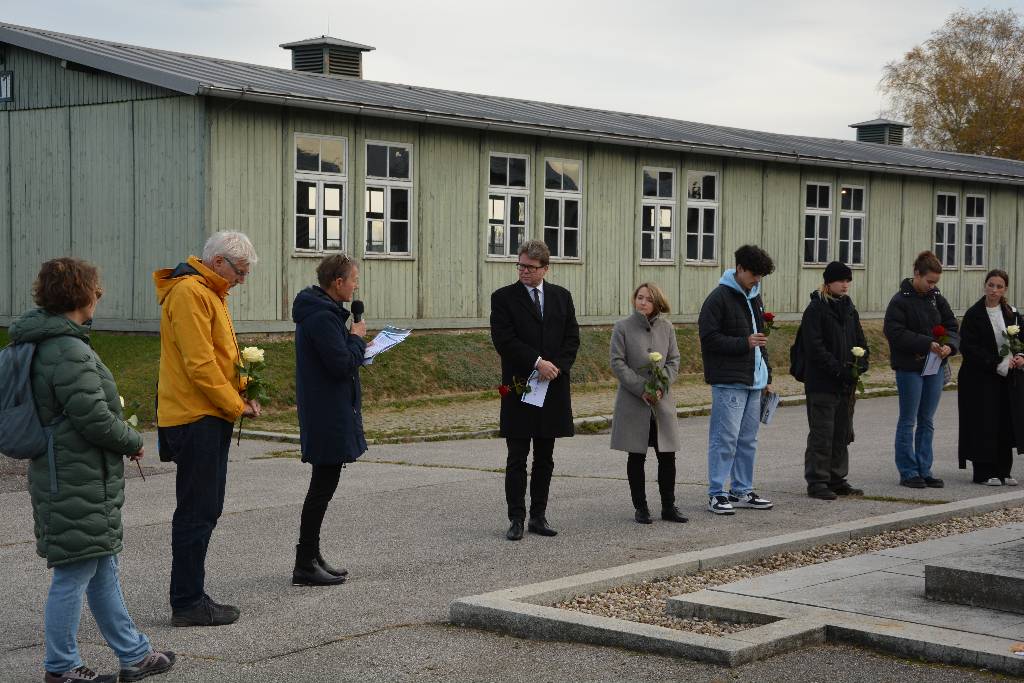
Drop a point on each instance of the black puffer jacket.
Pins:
(909, 321)
(724, 325)
(829, 331)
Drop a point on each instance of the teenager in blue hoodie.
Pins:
(733, 347)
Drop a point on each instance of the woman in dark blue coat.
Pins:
(329, 400)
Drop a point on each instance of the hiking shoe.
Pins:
(751, 500)
(994, 481)
(153, 663)
(1010, 481)
(720, 505)
(913, 483)
(79, 673)
(206, 613)
(933, 483)
(822, 494)
(845, 489)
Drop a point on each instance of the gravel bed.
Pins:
(645, 602)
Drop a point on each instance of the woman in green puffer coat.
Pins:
(77, 487)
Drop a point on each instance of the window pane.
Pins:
(332, 156)
(858, 200)
(571, 218)
(822, 251)
(375, 236)
(305, 197)
(375, 202)
(709, 220)
(844, 230)
(979, 207)
(377, 161)
(968, 234)
(551, 239)
(517, 172)
(858, 256)
(496, 208)
(666, 246)
(979, 234)
(858, 228)
(551, 212)
(665, 184)
(496, 240)
(950, 233)
(571, 178)
(650, 184)
(332, 233)
(823, 227)
(307, 154)
(691, 247)
(940, 232)
(571, 246)
(305, 232)
(824, 201)
(399, 205)
(499, 170)
(647, 218)
(812, 197)
(399, 236)
(517, 211)
(647, 245)
(951, 255)
(665, 212)
(940, 205)
(695, 190)
(845, 200)
(968, 255)
(552, 175)
(399, 166)
(517, 235)
(951, 205)
(332, 199)
(709, 189)
(809, 227)
(808, 251)
(708, 252)
(693, 224)
(844, 252)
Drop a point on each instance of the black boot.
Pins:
(326, 567)
(643, 515)
(308, 573)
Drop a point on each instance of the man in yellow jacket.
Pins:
(198, 400)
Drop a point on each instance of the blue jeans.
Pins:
(919, 397)
(200, 450)
(732, 439)
(98, 580)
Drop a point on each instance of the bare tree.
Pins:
(963, 89)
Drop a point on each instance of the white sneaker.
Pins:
(750, 500)
(1010, 481)
(994, 481)
(720, 505)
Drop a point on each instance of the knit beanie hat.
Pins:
(837, 271)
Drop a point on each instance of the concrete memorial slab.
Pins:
(990, 577)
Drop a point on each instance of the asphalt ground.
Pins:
(418, 525)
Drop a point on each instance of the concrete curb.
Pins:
(524, 611)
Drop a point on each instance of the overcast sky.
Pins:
(800, 67)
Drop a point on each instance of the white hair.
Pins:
(232, 245)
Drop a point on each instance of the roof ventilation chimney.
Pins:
(328, 56)
(880, 131)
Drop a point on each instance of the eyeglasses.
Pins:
(527, 268)
(239, 273)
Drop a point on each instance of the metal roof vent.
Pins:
(328, 56)
(880, 131)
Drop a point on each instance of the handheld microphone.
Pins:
(357, 310)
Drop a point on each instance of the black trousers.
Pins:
(1000, 463)
(827, 458)
(200, 451)
(323, 482)
(540, 477)
(666, 474)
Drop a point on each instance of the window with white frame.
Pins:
(507, 204)
(321, 184)
(563, 201)
(945, 228)
(701, 217)
(657, 214)
(388, 199)
(974, 231)
(851, 225)
(6, 91)
(817, 222)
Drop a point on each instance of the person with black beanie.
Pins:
(836, 352)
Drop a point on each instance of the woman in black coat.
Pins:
(328, 396)
(829, 331)
(990, 395)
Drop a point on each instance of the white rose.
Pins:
(1013, 330)
(252, 354)
(654, 357)
(857, 351)
(133, 420)
(122, 401)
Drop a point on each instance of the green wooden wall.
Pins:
(6, 237)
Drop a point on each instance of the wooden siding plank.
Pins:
(918, 232)
(102, 200)
(610, 248)
(40, 196)
(783, 232)
(6, 236)
(884, 262)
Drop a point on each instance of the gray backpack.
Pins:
(22, 435)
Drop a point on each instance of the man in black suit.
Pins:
(533, 327)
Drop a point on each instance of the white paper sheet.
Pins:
(387, 338)
(769, 404)
(538, 390)
(932, 365)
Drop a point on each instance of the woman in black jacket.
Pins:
(830, 331)
(990, 394)
(328, 396)
(919, 324)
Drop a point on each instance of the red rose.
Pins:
(938, 331)
(504, 390)
(769, 316)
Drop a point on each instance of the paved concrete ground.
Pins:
(421, 524)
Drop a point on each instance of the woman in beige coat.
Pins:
(643, 419)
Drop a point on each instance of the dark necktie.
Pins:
(536, 302)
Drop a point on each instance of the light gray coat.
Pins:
(633, 338)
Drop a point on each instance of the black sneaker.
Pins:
(933, 483)
(720, 505)
(206, 613)
(751, 500)
(153, 663)
(845, 489)
(822, 493)
(79, 673)
(913, 483)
